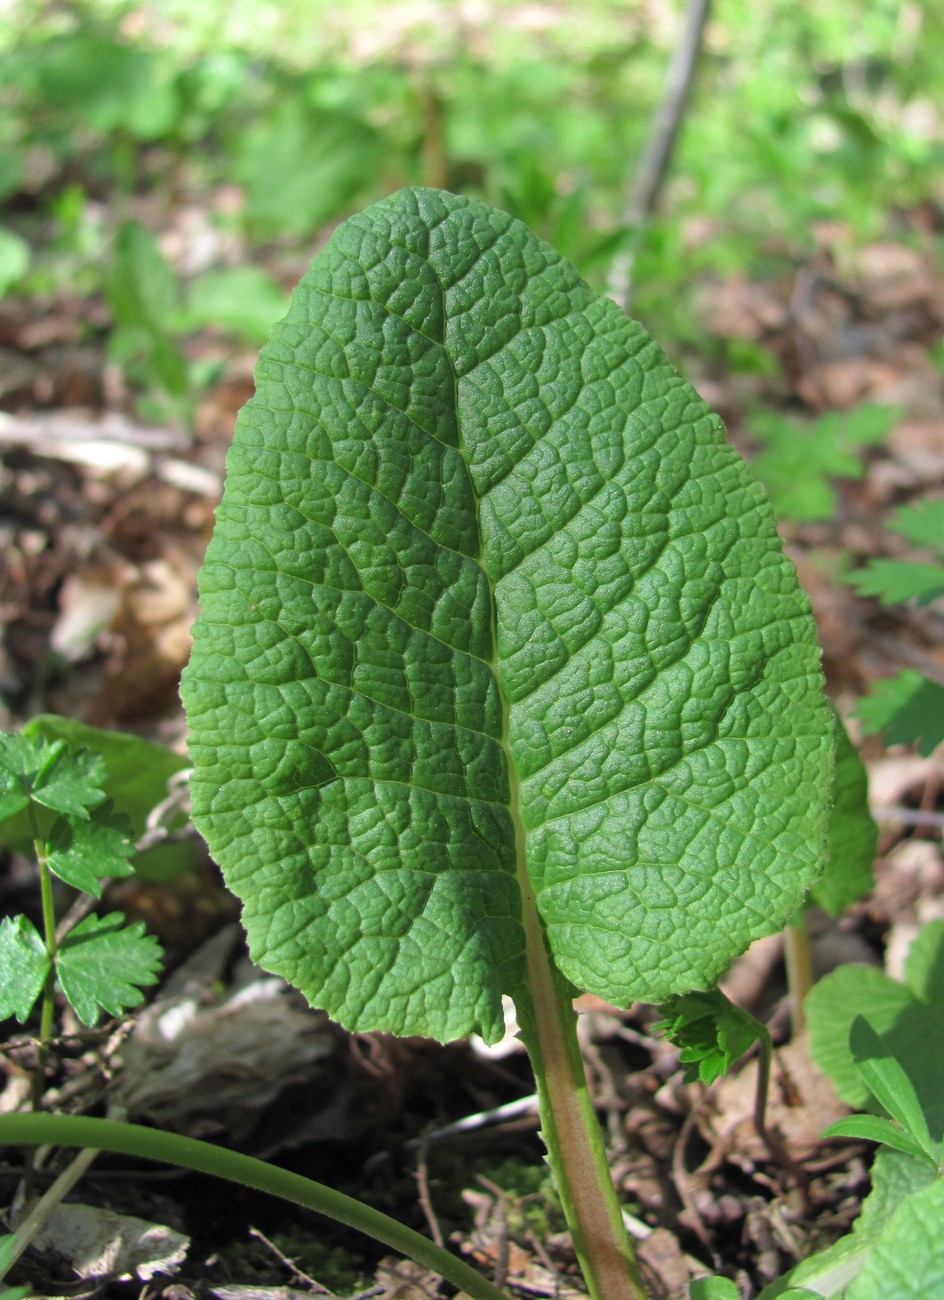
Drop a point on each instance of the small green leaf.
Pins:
(852, 832)
(922, 523)
(48, 773)
(138, 770)
(800, 458)
(712, 1288)
(711, 1031)
(888, 1082)
(872, 1128)
(7, 1246)
(15, 257)
(142, 287)
(17, 771)
(138, 773)
(102, 962)
(24, 965)
(908, 707)
(895, 581)
(71, 782)
(342, 152)
(82, 852)
(240, 298)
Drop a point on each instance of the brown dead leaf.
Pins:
(893, 277)
(89, 600)
(918, 446)
(403, 1279)
(844, 382)
(152, 639)
(665, 1267)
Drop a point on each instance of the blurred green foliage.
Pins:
(801, 113)
(799, 458)
(908, 707)
(309, 110)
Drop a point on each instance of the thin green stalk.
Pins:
(28, 1228)
(204, 1158)
(569, 1125)
(48, 1003)
(796, 950)
(769, 1136)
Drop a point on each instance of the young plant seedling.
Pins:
(502, 684)
(98, 963)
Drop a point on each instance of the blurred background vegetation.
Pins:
(182, 161)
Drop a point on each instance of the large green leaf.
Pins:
(492, 606)
(852, 832)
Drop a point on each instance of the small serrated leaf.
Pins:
(71, 781)
(907, 707)
(922, 523)
(711, 1031)
(20, 762)
(103, 961)
(138, 776)
(896, 581)
(24, 965)
(799, 458)
(83, 852)
(64, 780)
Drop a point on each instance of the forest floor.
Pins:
(104, 523)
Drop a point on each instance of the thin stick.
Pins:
(796, 951)
(657, 155)
(37, 1216)
(422, 1182)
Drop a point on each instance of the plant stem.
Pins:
(569, 1125)
(28, 1228)
(796, 951)
(48, 1004)
(657, 155)
(769, 1136)
(205, 1158)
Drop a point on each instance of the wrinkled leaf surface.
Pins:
(491, 604)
